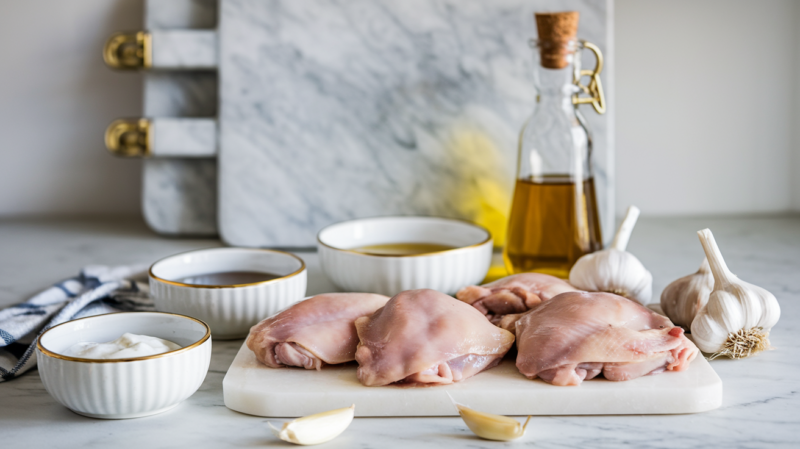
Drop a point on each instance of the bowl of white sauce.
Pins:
(124, 365)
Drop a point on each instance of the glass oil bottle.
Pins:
(554, 216)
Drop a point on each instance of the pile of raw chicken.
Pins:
(423, 337)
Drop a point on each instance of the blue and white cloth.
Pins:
(96, 290)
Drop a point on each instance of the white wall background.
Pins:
(56, 98)
(707, 106)
(795, 175)
(708, 112)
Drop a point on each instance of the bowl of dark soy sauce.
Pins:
(230, 289)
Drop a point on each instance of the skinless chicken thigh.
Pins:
(424, 337)
(579, 335)
(513, 294)
(317, 331)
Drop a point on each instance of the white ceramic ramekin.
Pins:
(124, 388)
(446, 271)
(230, 310)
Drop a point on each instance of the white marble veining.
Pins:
(332, 111)
(180, 94)
(179, 206)
(184, 49)
(761, 403)
(183, 137)
(168, 14)
(180, 196)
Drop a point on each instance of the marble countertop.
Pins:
(761, 406)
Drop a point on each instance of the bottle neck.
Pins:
(554, 143)
(555, 63)
(555, 85)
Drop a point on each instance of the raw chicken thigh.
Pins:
(513, 294)
(423, 337)
(579, 335)
(319, 330)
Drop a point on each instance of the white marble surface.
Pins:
(180, 94)
(179, 196)
(166, 14)
(761, 403)
(332, 111)
(184, 49)
(184, 137)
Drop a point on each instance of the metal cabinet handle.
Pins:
(126, 51)
(162, 50)
(129, 138)
(163, 137)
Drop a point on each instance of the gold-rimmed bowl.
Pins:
(465, 262)
(124, 388)
(230, 310)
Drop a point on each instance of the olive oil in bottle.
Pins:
(554, 221)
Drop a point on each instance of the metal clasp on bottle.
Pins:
(594, 90)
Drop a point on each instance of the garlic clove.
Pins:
(490, 426)
(615, 270)
(317, 428)
(684, 297)
(738, 316)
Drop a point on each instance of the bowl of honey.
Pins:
(230, 289)
(387, 255)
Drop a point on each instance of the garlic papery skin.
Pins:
(615, 270)
(684, 297)
(316, 429)
(738, 316)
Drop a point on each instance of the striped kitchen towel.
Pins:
(96, 290)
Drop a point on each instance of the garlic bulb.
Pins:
(490, 426)
(615, 270)
(316, 429)
(681, 300)
(738, 316)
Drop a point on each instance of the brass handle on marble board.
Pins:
(129, 138)
(594, 90)
(129, 51)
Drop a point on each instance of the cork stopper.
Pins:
(556, 31)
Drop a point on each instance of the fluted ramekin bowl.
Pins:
(230, 310)
(446, 271)
(124, 388)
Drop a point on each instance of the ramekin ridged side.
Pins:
(125, 389)
(446, 272)
(230, 312)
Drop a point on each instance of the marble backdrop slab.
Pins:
(337, 110)
(179, 195)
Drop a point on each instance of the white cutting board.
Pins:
(252, 388)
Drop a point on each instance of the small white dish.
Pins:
(446, 271)
(124, 388)
(230, 310)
